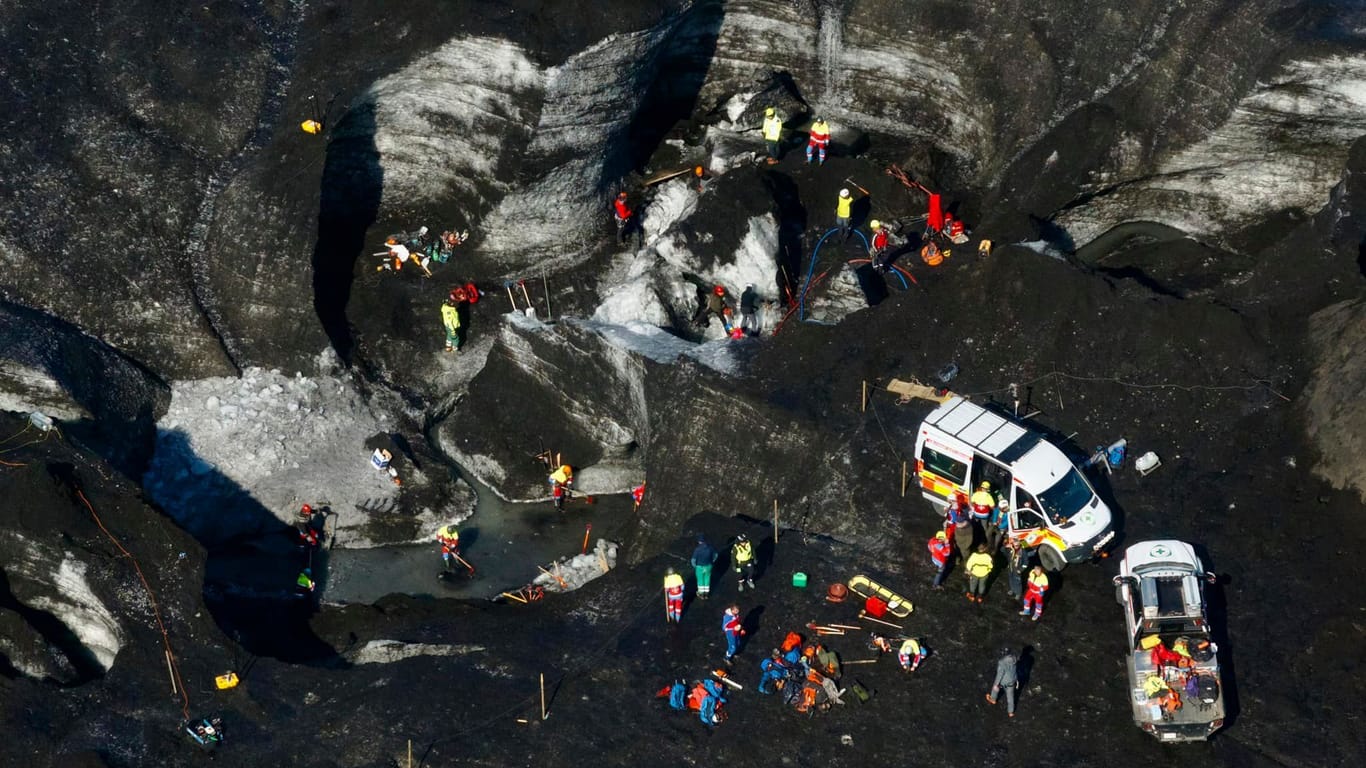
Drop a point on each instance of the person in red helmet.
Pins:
(308, 536)
(715, 304)
(626, 220)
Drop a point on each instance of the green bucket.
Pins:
(799, 580)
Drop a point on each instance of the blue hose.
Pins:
(801, 306)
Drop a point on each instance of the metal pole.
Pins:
(544, 714)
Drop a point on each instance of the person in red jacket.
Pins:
(1035, 588)
(880, 251)
(625, 218)
(819, 139)
(941, 551)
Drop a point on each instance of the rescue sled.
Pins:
(896, 604)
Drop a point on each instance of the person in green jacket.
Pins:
(979, 567)
(450, 318)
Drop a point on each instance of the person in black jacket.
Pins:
(749, 307)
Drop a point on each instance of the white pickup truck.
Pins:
(1175, 688)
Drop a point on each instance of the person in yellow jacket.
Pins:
(844, 209)
(979, 567)
(773, 133)
(560, 480)
(450, 318)
(673, 596)
(742, 556)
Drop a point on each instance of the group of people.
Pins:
(418, 249)
(717, 303)
(978, 530)
(309, 527)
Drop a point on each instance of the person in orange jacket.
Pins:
(941, 551)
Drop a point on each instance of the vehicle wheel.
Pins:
(1051, 559)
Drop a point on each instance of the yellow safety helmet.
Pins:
(985, 486)
(770, 112)
(875, 224)
(311, 126)
(941, 536)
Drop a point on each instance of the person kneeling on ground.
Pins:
(911, 654)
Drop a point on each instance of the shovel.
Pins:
(530, 310)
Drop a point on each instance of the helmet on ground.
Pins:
(844, 193)
(719, 290)
(984, 486)
(875, 224)
(770, 112)
(941, 536)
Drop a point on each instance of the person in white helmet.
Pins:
(844, 211)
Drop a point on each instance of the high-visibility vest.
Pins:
(1038, 584)
(980, 564)
(450, 316)
(820, 134)
(910, 648)
(744, 552)
(448, 533)
(940, 550)
(773, 128)
(560, 476)
(304, 581)
(843, 207)
(673, 585)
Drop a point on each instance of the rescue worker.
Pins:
(450, 545)
(742, 556)
(1006, 680)
(879, 251)
(397, 252)
(715, 304)
(911, 654)
(940, 553)
(1035, 588)
(703, 557)
(959, 527)
(308, 537)
(979, 567)
(733, 630)
(673, 596)
(844, 209)
(998, 525)
(819, 139)
(981, 503)
(773, 134)
(626, 220)
(450, 319)
(560, 480)
(749, 308)
(304, 585)
(773, 669)
(637, 496)
(1017, 559)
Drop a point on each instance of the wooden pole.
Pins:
(171, 673)
(546, 285)
(863, 404)
(544, 714)
(410, 753)
(903, 479)
(586, 531)
(775, 522)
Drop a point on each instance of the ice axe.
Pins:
(579, 494)
(852, 183)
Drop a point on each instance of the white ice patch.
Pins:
(1044, 247)
(77, 607)
(1283, 147)
(579, 569)
(663, 347)
(389, 651)
(282, 441)
(442, 122)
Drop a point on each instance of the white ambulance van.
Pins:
(1053, 507)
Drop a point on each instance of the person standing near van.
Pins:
(998, 525)
(958, 526)
(1035, 589)
(980, 506)
(1006, 680)
(1017, 559)
(979, 569)
(940, 553)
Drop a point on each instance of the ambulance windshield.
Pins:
(1066, 497)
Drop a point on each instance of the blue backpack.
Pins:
(678, 695)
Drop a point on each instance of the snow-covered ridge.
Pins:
(1283, 147)
(67, 595)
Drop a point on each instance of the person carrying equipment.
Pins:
(450, 319)
(940, 553)
(773, 134)
(673, 596)
(979, 567)
(715, 304)
(450, 545)
(982, 502)
(742, 555)
(1035, 588)
(819, 139)
(560, 480)
(911, 654)
(703, 557)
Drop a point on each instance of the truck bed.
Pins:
(1191, 721)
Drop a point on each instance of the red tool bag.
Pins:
(876, 607)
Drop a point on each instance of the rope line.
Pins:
(156, 609)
